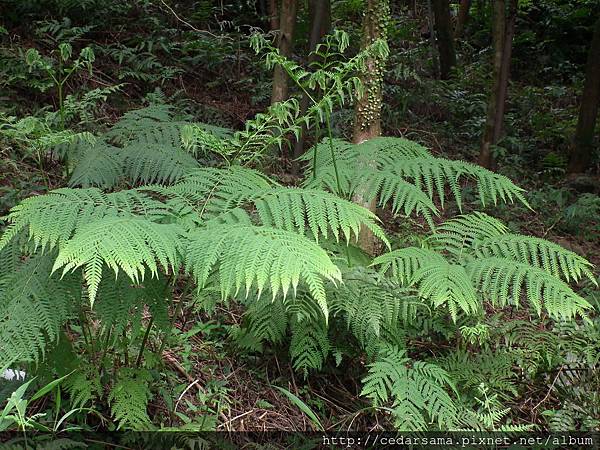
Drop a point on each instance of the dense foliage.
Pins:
(166, 263)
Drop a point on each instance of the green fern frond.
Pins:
(417, 389)
(457, 235)
(404, 262)
(448, 284)
(52, 219)
(156, 163)
(504, 280)
(323, 213)
(100, 165)
(33, 308)
(267, 258)
(390, 166)
(309, 346)
(130, 244)
(536, 252)
(268, 319)
(129, 398)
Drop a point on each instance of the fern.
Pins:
(310, 345)
(33, 308)
(264, 257)
(472, 258)
(403, 172)
(51, 219)
(418, 390)
(130, 244)
(129, 398)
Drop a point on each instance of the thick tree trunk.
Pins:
(463, 18)
(320, 22)
(287, 21)
(445, 39)
(367, 119)
(432, 33)
(581, 152)
(503, 29)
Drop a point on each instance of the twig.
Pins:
(549, 390)
(189, 24)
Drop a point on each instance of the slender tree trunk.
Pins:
(445, 39)
(463, 18)
(581, 152)
(367, 119)
(503, 29)
(320, 22)
(432, 33)
(273, 15)
(505, 69)
(287, 21)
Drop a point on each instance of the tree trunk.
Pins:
(367, 118)
(273, 15)
(445, 39)
(505, 69)
(287, 21)
(320, 22)
(432, 33)
(503, 28)
(462, 19)
(581, 152)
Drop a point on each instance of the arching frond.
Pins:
(130, 244)
(458, 234)
(321, 212)
(536, 252)
(404, 262)
(267, 258)
(51, 219)
(504, 280)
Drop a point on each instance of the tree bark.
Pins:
(462, 19)
(581, 151)
(445, 39)
(273, 15)
(503, 29)
(367, 118)
(287, 22)
(320, 22)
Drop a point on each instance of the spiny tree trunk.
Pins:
(445, 39)
(320, 22)
(581, 153)
(287, 21)
(463, 17)
(503, 26)
(367, 119)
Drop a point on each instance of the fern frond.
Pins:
(268, 258)
(417, 389)
(502, 277)
(404, 262)
(100, 165)
(131, 244)
(457, 235)
(537, 252)
(33, 308)
(129, 398)
(323, 213)
(446, 284)
(309, 346)
(392, 167)
(51, 219)
(156, 163)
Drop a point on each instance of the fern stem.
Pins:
(317, 133)
(333, 158)
(144, 340)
